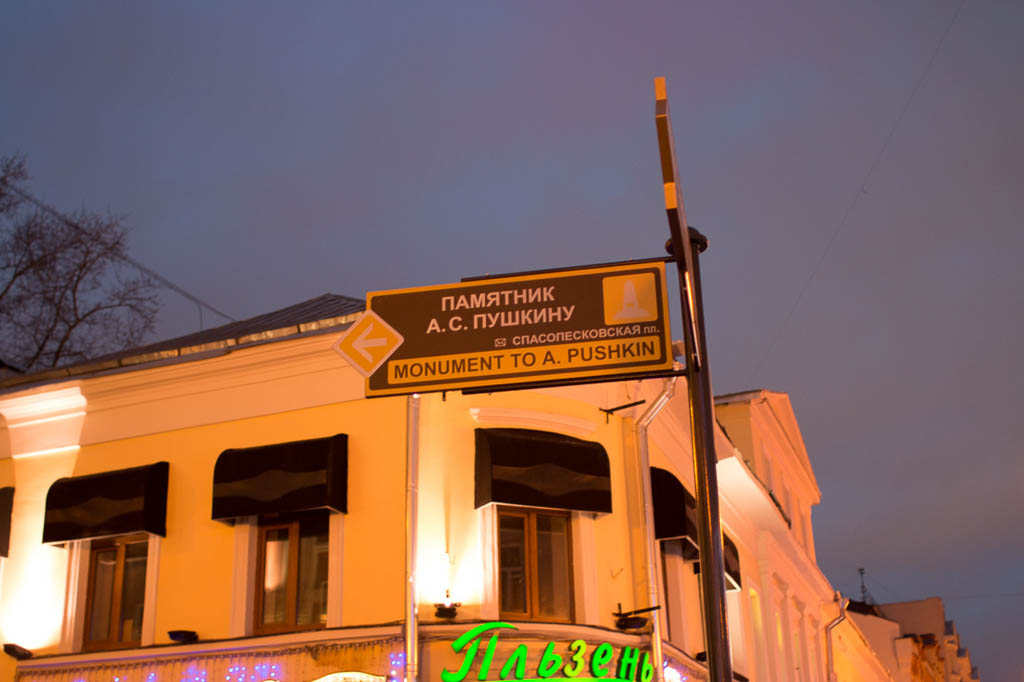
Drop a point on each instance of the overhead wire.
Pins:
(861, 190)
(46, 208)
(878, 585)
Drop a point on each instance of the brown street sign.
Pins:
(561, 326)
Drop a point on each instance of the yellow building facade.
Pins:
(232, 508)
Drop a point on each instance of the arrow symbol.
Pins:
(362, 343)
(370, 332)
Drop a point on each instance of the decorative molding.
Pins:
(780, 584)
(43, 422)
(62, 450)
(315, 327)
(124, 657)
(180, 392)
(248, 382)
(41, 404)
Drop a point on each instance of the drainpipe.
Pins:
(412, 449)
(830, 659)
(647, 520)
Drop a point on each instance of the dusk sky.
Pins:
(857, 166)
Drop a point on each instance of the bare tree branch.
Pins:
(68, 291)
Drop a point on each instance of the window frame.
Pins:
(293, 522)
(530, 560)
(119, 543)
(680, 597)
(670, 591)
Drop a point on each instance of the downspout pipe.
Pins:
(647, 520)
(829, 656)
(412, 451)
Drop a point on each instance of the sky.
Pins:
(857, 167)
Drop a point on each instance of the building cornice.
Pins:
(213, 387)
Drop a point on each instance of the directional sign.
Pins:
(553, 327)
(368, 343)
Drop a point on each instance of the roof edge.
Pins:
(136, 361)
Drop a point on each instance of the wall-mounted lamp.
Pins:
(183, 636)
(629, 620)
(16, 652)
(447, 609)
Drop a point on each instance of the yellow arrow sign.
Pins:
(368, 343)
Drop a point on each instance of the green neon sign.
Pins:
(574, 662)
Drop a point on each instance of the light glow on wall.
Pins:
(35, 575)
(433, 580)
(468, 585)
(47, 420)
(48, 451)
(41, 405)
(34, 603)
(443, 581)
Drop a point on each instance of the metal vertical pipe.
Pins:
(412, 451)
(647, 520)
(830, 661)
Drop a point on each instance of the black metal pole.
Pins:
(706, 474)
(686, 251)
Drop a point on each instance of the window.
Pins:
(117, 592)
(292, 569)
(535, 565)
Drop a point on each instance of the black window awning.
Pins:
(731, 558)
(675, 511)
(6, 505)
(541, 469)
(284, 477)
(110, 503)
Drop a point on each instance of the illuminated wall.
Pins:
(452, 533)
(197, 557)
(41, 440)
(32, 612)
(188, 413)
